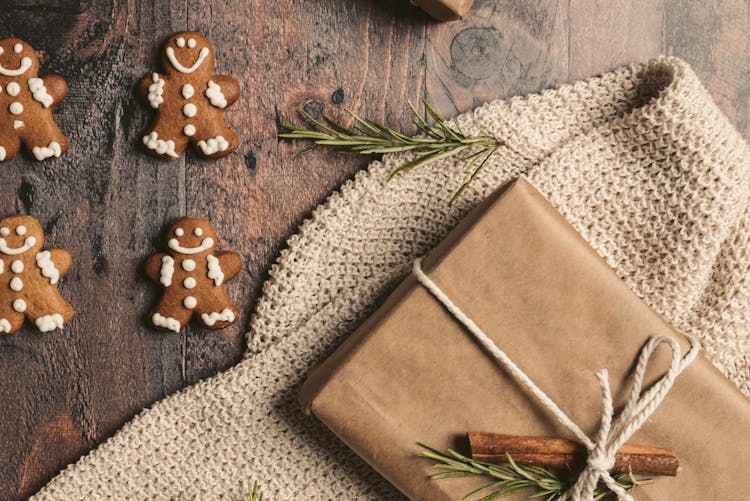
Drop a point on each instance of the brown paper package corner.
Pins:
(410, 373)
(445, 10)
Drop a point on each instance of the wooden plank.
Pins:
(606, 34)
(63, 392)
(714, 37)
(501, 49)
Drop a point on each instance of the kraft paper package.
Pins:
(411, 373)
(445, 10)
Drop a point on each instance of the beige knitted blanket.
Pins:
(639, 160)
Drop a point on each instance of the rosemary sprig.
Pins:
(368, 137)
(507, 479)
(253, 492)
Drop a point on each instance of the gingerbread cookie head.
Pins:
(17, 59)
(29, 277)
(191, 236)
(189, 101)
(188, 53)
(193, 274)
(20, 235)
(26, 103)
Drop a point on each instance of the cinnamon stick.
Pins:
(557, 452)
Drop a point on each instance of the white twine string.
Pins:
(612, 433)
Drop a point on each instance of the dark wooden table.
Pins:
(106, 201)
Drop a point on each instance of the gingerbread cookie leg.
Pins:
(43, 138)
(216, 311)
(165, 140)
(10, 144)
(49, 312)
(170, 318)
(10, 318)
(216, 142)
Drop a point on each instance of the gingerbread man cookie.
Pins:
(193, 274)
(29, 278)
(26, 103)
(189, 101)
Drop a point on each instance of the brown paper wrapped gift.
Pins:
(445, 10)
(519, 270)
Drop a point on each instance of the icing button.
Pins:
(188, 265)
(16, 108)
(189, 130)
(13, 89)
(17, 266)
(16, 284)
(189, 283)
(190, 302)
(187, 91)
(19, 305)
(189, 110)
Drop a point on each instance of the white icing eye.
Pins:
(191, 42)
(198, 231)
(4, 231)
(180, 42)
(179, 232)
(18, 48)
(21, 230)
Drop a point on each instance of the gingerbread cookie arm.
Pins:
(228, 86)
(54, 86)
(231, 264)
(61, 260)
(153, 266)
(142, 88)
(151, 89)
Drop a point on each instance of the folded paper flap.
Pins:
(416, 375)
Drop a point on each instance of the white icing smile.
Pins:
(10, 251)
(22, 68)
(174, 244)
(179, 67)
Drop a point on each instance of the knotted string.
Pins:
(613, 432)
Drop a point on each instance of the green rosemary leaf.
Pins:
(425, 160)
(254, 493)
(341, 129)
(473, 175)
(451, 474)
(491, 485)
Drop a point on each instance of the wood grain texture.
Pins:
(108, 202)
(714, 37)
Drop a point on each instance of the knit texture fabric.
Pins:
(640, 161)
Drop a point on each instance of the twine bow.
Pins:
(613, 432)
